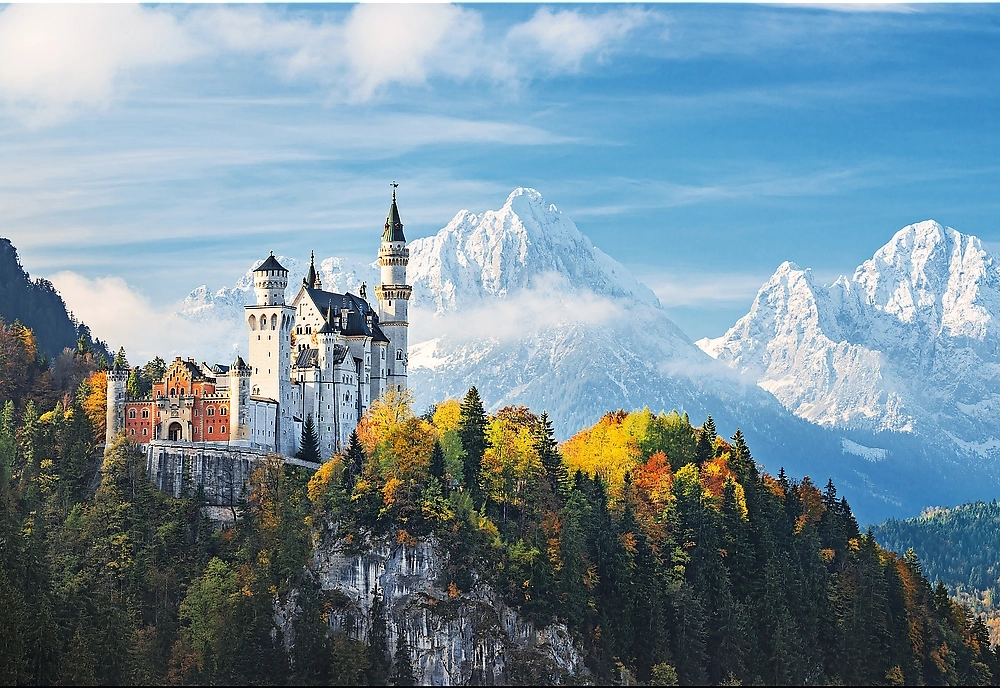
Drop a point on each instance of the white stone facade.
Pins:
(323, 354)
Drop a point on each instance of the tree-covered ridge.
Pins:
(959, 547)
(665, 550)
(37, 304)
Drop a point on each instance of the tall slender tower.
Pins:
(393, 296)
(270, 322)
(117, 381)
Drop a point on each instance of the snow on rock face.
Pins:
(500, 252)
(471, 638)
(910, 343)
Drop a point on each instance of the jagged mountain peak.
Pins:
(910, 342)
(520, 246)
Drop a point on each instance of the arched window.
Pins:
(131, 413)
(222, 411)
(209, 429)
(145, 413)
(131, 431)
(211, 411)
(399, 354)
(173, 392)
(253, 322)
(223, 430)
(274, 322)
(182, 391)
(145, 431)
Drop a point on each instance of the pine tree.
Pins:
(309, 447)
(402, 664)
(437, 466)
(742, 461)
(133, 386)
(548, 452)
(378, 645)
(472, 433)
(705, 448)
(120, 361)
(354, 460)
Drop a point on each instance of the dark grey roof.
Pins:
(239, 362)
(393, 225)
(307, 358)
(220, 369)
(339, 354)
(379, 336)
(270, 264)
(362, 319)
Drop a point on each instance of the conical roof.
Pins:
(270, 264)
(393, 225)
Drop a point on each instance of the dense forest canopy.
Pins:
(666, 551)
(38, 305)
(959, 547)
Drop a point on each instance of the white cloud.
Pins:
(567, 37)
(675, 290)
(406, 43)
(121, 315)
(53, 57)
(549, 301)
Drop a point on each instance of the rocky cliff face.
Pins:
(470, 638)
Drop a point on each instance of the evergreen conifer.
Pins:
(402, 664)
(548, 452)
(378, 645)
(472, 433)
(354, 460)
(437, 465)
(309, 447)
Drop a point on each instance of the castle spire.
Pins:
(393, 225)
(311, 280)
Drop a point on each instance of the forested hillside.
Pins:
(662, 547)
(38, 305)
(959, 547)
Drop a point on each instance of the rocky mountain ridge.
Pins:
(910, 343)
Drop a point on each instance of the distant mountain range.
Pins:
(520, 303)
(910, 343)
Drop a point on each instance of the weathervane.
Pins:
(394, 185)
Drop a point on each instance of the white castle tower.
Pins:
(393, 296)
(270, 323)
(117, 381)
(239, 400)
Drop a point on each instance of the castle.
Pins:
(324, 355)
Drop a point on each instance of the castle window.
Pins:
(222, 411)
(253, 322)
(209, 429)
(196, 412)
(145, 431)
(223, 430)
(173, 392)
(131, 414)
(399, 354)
(131, 431)
(145, 413)
(274, 322)
(211, 411)
(182, 391)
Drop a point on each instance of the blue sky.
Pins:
(147, 150)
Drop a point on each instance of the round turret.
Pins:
(269, 282)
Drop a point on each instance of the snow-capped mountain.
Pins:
(910, 343)
(520, 303)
